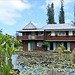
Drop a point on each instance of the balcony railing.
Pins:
(60, 38)
(36, 37)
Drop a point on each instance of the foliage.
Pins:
(73, 56)
(50, 14)
(19, 48)
(9, 40)
(62, 47)
(10, 50)
(5, 54)
(61, 16)
(44, 44)
(67, 51)
(6, 69)
(0, 31)
(58, 50)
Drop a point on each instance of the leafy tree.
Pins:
(61, 16)
(10, 40)
(50, 14)
(0, 31)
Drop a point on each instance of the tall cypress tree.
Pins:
(50, 14)
(52, 9)
(61, 16)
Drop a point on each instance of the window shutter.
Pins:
(48, 46)
(54, 46)
(68, 46)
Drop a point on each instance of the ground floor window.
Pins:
(52, 45)
(39, 44)
(66, 45)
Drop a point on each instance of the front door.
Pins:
(65, 45)
(30, 45)
(51, 45)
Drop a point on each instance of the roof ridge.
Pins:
(30, 25)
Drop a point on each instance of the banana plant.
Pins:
(10, 50)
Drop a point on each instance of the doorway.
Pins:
(65, 45)
(30, 45)
(51, 45)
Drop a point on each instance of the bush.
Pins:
(58, 50)
(73, 56)
(44, 45)
(66, 51)
(62, 47)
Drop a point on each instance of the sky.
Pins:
(15, 14)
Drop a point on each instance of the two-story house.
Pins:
(54, 34)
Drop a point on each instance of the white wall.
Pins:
(52, 33)
(70, 33)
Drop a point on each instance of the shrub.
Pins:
(58, 50)
(73, 56)
(62, 47)
(44, 45)
(66, 51)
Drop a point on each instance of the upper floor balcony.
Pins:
(36, 37)
(59, 37)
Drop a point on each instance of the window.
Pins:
(73, 33)
(61, 33)
(49, 33)
(40, 33)
(39, 44)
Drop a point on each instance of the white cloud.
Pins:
(9, 8)
(57, 3)
(43, 7)
(69, 13)
(68, 21)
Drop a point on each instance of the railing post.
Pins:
(45, 35)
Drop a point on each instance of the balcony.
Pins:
(60, 38)
(36, 37)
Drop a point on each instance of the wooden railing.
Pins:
(60, 38)
(36, 37)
